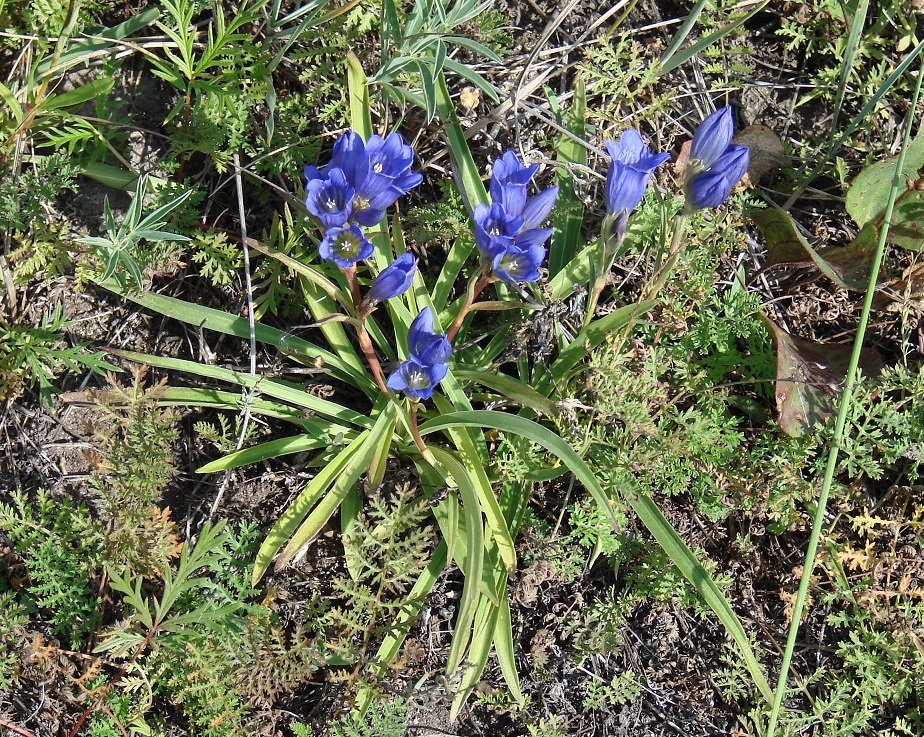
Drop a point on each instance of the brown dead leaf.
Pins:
(766, 152)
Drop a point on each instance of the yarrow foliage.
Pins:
(506, 231)
(355, 188)
(631, 167)
(716, 164)
(428, 353)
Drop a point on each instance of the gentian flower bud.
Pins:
(425, 346)
(712, 137)
(330, 200)
(394, 279)
(345, 246)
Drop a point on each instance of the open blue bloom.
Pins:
(394, 279)
(345, 246)
(519, 263)
(630, 171)
(716, 164)
(330, 200)
(711, 188)
(510, 222)
(378, 172)
(416, 380)
(425, 367)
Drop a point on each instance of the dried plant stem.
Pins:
(13, 728)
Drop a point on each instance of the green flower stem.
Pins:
(673, 253)
(475, 286)
(609, 249)
(840, 423)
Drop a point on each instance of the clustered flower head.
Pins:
(425, 367)
(355, 188)
(716, 164)
(631, 167)
(506, 231)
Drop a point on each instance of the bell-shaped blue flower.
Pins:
(510, 223)
(389, 174)
(716, 165)
(377, 172)
(417, 380)
(425, 346)
(425, 367)
(345, 246)
(630, 171)
(494, 228)
(519, 263)
(330, 199)
(712, 138)
(711, 188)
(509, 179)
(394, 279)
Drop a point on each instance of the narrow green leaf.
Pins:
(472, 562)
(486, 498)
(594, 334)
(286, 392)
(360, 115)
(514, 389)
(299, 509)
(265, 451)
(668, 64)
(352, 469)
(224, 322)
(482, 638)
(696, 574)
(538, 434)
(503, 646)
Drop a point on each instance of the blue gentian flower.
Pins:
(630, 171)
(425, 367)
(378, 172)
(394, 279)
(711, 188)
(716, 164)
(345, 246)
(416, 380)
(494, 228)
(518, 264)
(425, 346)
(510, 222)
(712, 137)
(330, 199)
